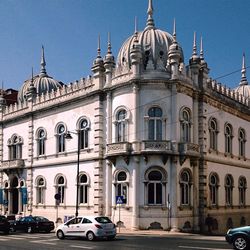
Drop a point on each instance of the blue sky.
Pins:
(69, 30)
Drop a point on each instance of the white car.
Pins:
(91, 227)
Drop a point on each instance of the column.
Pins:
(135, 188)
(108, 188)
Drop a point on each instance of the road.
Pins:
(20, 241)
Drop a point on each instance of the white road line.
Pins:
(202, 248)
(1, 239)
(82, 247)
(47, 241)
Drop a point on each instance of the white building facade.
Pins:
(163, 135)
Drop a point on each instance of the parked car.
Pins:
(239, 237)
(32, 224)
(4, 224)
(91, 227)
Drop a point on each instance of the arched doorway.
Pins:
(15, 196)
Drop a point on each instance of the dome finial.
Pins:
(201, 49)
(194, 46)
(243, 80)
(150, 20)
(109, 43)
(43, 63)
(174, 30)
(136, 25)
(99, 47)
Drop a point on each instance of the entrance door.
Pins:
(15, 196)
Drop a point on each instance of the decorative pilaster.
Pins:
(109, 117)
(108, 196)
(29, 180)
(135, 188)
(98, 149)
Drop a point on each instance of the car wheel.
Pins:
(240, 243)
(29, 230)
(60, 234)
(90, 236)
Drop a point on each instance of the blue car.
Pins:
(239, 237)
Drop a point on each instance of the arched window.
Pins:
(185, 187)
(84, 134)
(213, 186)
(229, 190)
(242, 142)
(155, 124)
(185, 125)
(83, 189)
(242, 191)
(41, 136)
(121, 125)
(228, 138)
(213, 131)
(155, 182)
(15, 144)
(40, 190)
(60, 188)
(121, 184)
(61, 138)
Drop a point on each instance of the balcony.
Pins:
(188, 148)
(12, 164)
(119, 148)
(156, 146)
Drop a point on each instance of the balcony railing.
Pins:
(189, 148)
(12, 164)
(118, 148)
(161, 146)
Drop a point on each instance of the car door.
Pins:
(85, 226)
(73, 227)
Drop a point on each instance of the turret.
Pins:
(109, 63)
(194, 63)
(136, 54)
(31, 92)
(174, 56)
(98, 68)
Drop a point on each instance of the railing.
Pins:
(156, 146)
(118, 148)
(11, 164)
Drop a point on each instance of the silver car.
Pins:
(91, 227)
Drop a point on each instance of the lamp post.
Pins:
(69, 136)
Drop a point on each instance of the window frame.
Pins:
(229, 190)
(185, 125)
(155, 124)
(213, 134)
(185, 188)
(151, 186)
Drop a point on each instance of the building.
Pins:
(149, 131)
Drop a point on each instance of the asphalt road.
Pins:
(20, 241)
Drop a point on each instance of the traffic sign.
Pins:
(119, 199)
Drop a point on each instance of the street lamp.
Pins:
(69, 136)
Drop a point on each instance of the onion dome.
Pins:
(43, 83)
(154, 45)
(243, 88)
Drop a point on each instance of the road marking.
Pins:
(82, 247)
(202, 248)
(1, 239)
(47, 241)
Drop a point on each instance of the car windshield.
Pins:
(103, 220)
(40, 218)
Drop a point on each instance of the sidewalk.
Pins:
(125, 231)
